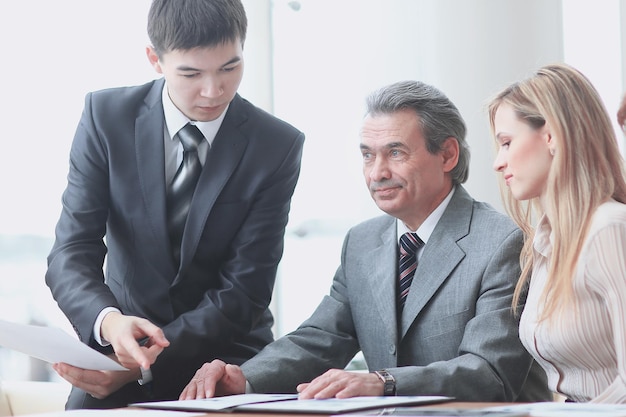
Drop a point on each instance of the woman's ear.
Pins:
(547, 136)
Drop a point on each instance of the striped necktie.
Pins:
(181, 189)
(409, 244)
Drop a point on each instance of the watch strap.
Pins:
(389, 382)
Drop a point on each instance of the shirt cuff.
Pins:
(98, 324)
(249, 389)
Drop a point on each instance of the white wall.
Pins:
(330, 54)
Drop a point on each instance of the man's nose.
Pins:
(379, 170)
(212, 88)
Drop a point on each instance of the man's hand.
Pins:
(98, 384)
(124, 331)
(215, 379)
(341, 384)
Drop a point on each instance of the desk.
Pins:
(584, 412)
(454, 404)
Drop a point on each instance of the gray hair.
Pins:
(437, 115)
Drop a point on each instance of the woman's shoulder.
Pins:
(611, 209)
(610, 213)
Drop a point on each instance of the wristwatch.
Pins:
(389, 382)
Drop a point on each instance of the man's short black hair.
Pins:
(188, 24)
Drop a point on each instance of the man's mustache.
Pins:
(376, 185)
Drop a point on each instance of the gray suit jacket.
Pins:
(215, 303)
(457, 336)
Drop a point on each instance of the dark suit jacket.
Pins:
(215, 304)
(457, 336)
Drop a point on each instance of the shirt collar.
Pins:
(427, 227)
(542, 242)
(175, 119)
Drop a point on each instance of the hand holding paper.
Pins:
(53, 345)
(99, 384)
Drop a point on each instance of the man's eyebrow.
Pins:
(390, 145)
(232, 61)
(188, 68)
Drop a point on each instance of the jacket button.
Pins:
(392, 349)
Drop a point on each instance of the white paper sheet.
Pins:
(288, 403)
(217, 403)
(342, 405)
(53, 345)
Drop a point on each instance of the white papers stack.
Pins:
(288, 403)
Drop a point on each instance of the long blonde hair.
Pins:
(586, 171)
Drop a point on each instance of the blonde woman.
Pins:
(562, 169)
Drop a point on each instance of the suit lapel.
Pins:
(380, 268)
(226, 152)
(150, 157)
(440, 257)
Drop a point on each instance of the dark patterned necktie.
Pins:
(183, 185)
(409, 244)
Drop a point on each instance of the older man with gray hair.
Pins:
(424, 291)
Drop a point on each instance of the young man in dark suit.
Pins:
(192, 235)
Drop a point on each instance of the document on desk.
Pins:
(227, 403)
(289, 403)
(53, 345)
(342, 405)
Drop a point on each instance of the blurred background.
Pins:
(310, 62)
